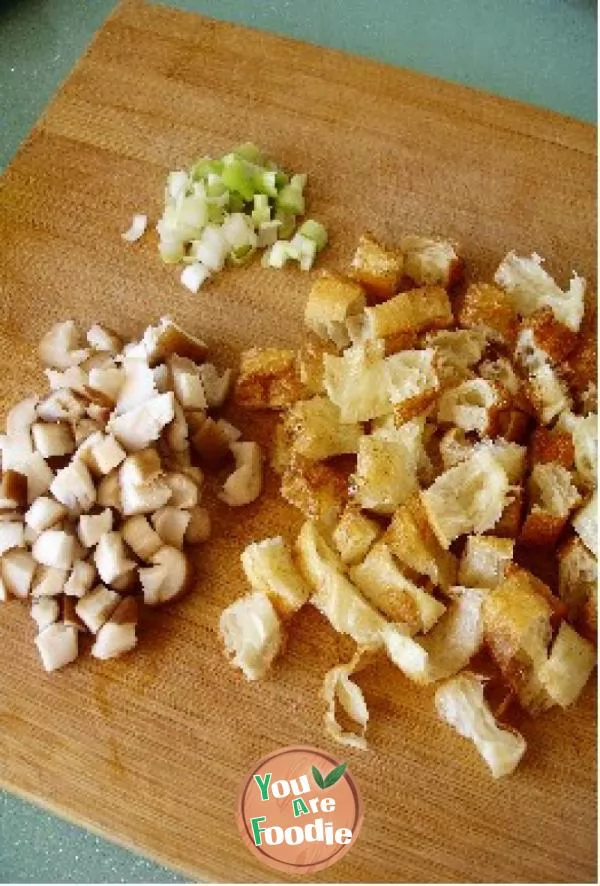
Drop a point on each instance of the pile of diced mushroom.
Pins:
(99, 494)
(434, 436)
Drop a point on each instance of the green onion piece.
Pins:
(281, 179)
(238, 176)
(262, 211)
(171, 251)
(241, 255)
(291, 199)
(204, 166)
(287, 222)
(265, 182)
(268, 233)
(299, 181)
(236, 202)
(315, 231)
(251, 153)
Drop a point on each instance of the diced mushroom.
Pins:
(167, 579)
(143, 467)
(198, 529)
(62, 405)
(109, 491)
(167, 338)
(98, 413)
(187, 383)
(229, 431)
(102, 338)
(17, 569)
(110, 557)
(81, 579)
(144, 499)
(74, 379)
(96, 607)
(53, 547)
(52, 440)
(39, 476)
(211, 443)
(74, 488)
(117, 636)
(93, 526)
(44, 513)
(216, 387)
(171, 524)
(143, 540)
(162, 378)
(13, 490)
(19, 421)
(105, 384)
(138, 385)
(11, 536)
(139, 427)
(105, 454)
(184, 490)
(57, 645)
(245, 483)
(61, 347)
(48, 581)
(83, 429)
(126, 583)
(44, 612)
(176, 433)
(3, 592)
(69, 613)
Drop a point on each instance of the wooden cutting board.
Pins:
(150, 750)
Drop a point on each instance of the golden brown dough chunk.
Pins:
(377, 268)
(485, 306)
(268, 379)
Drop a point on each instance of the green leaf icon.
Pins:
(335, 775)
(318, 777)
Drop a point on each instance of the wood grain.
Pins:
(151, 749)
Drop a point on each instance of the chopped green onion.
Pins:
(315, 231)
(251, 153)
(291, 199)
(223, 209)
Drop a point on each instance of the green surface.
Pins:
(539, 51)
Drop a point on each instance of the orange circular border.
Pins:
(263, 856)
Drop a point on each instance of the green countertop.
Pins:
(538, 51)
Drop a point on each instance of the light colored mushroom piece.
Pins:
(93, 526)
(199, 527)
(187, 383)
(57, 645)
(52, 440)
(144, 499)
(61, 405)
(117, 636)
(83, 429)
(48, 581)
(105, 455)
(74, 488)
(96, 607)
(19, 421)
(143, 467)
(17, 458)
(11, 536)
(139, 427)
(216, 387)
(13, 490)
(138, 385)
(74, 379)
(171, 524)
(126, 583)
(3, 592)
(54, 547)
(61, 347)
(44, 612)
(184, 490)
(229, 431)
(167, 579)
(167, 338)
(105, 383)
(17, 568)
(81, 579)
(176, 433)
(98, 413)
(109, 491)
(162, 378)
(245, 483)
(141, 537)
(110, 557)
(103, 338)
